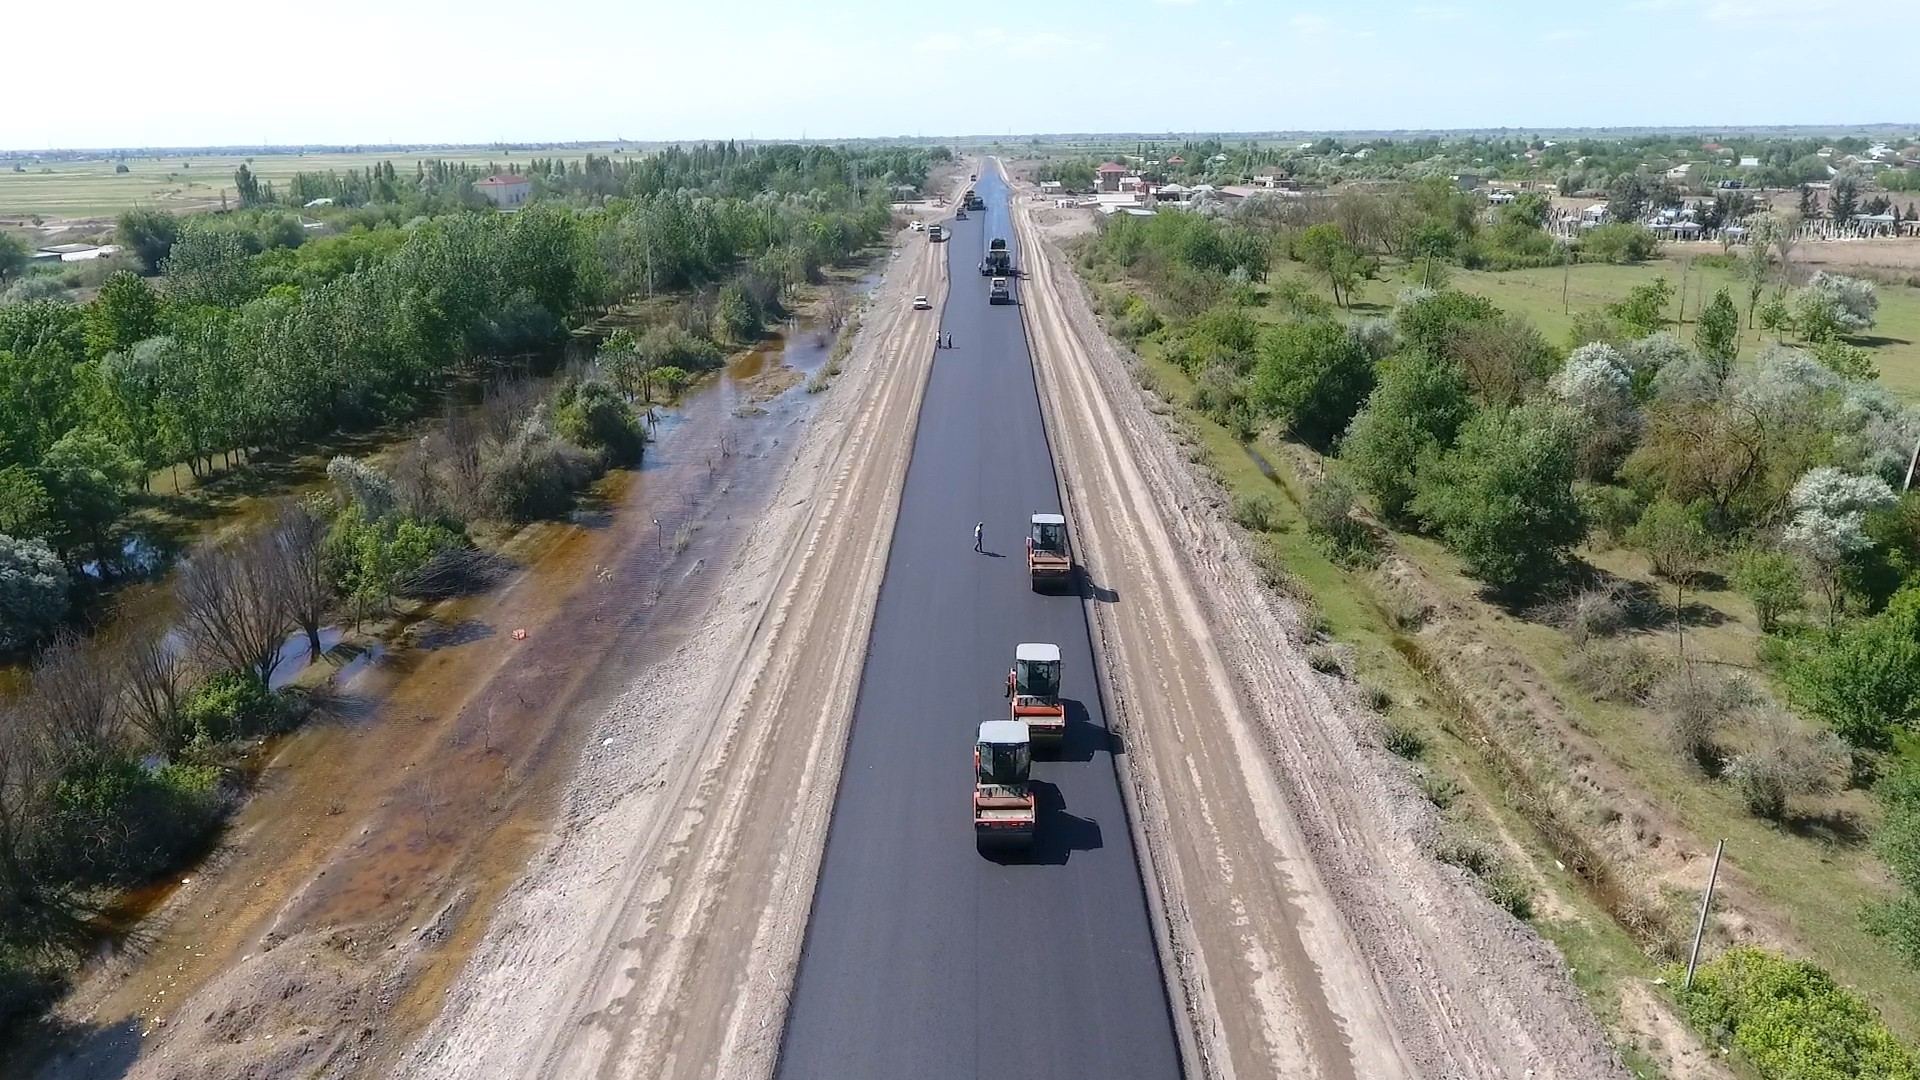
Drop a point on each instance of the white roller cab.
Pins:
(1004, 809)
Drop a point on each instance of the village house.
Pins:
(1110, 173)
(504, 190)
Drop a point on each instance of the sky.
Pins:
(111, 73)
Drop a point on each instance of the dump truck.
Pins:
(998, 261)
(999, 292)
(1004, 808)
(935, 234)
(1049, 562)
(972, 201)
(1033, 692)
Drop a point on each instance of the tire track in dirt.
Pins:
(1309, 935)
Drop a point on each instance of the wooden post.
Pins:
(1706, 901)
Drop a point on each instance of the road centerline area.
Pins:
(924, 957)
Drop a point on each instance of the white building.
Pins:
(505, 190)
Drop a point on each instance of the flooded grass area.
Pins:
(436, 752)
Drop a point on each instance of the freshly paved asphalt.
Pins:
(925, 959)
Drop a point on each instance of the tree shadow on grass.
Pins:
(1842, 828)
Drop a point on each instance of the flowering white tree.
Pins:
(1829, 523)
(33, 591)
(1854, 302)
(1596, 385)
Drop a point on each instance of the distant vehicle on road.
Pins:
(1003, 807)
(1049, 561)
(1033, 692)
(918, 226)
(998, 292)
(935, 234)
(921, 303)
(973, 176)
(960, 214)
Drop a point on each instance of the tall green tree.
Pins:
(1411, 417)
(150, 235)
(1717, 335)
(1312, 377)
(87, 480)
(125, 311)
(1503, 497)
(1331, 255)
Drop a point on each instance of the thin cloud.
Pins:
(1434, 13)
(1308, 23)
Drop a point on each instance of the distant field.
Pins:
(1536, 294)
(91, 189)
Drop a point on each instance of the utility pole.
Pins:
(1706, 901)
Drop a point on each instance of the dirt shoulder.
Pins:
(658, 932)
(1310, 933)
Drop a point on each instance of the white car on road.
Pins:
(918, 226)
(921, 303)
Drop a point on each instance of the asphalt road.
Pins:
(924, 958)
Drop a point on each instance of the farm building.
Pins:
(505, 190)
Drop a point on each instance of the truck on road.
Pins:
(1004, 808)
(1033, 692)
(1049, 560)
(972, 201)
(999, 292)
(935, 234)
(998, 261)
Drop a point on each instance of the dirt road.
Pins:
(1311, 936)
(658, 933)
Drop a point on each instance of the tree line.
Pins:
(252, 339)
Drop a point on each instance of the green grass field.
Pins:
(1538, 295)
(90, 188)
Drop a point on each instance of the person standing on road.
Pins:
(979, 536)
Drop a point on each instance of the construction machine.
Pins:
(997, 262)
(1033, 692)
(1049, 561)
(999, 292)
(1004, 808)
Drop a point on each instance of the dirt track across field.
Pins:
(1310, 934)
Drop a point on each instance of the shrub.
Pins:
(225, 707)
(1402, 740)
(1622, 671)
(1694, 701)
(1256, 512)
(1136, 320)
(114, 822)
(1790, 1021)
(1594, 613)
(1329, 514)
(1783, 762)
(1863, 680)
(1619, 242)
(1772, 582)
(1326, 660)
(1612, 509)
(593, 415)
(1897, 921)
(534, 474)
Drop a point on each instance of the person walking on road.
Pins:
(979, 536)
(949, 341)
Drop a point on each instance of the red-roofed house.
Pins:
(505, 190)
(1176, 159)
(1110, 174)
